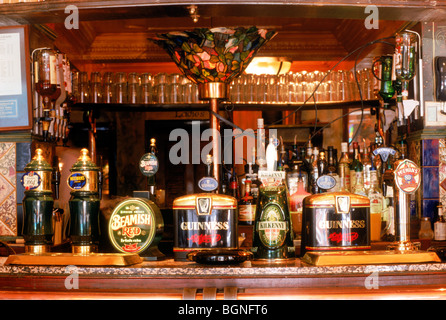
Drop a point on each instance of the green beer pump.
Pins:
(38, 204)
(85, 182)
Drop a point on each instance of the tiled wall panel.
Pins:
(8, 188)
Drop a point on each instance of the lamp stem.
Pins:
(215, 127)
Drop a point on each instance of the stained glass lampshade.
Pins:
(214, 55)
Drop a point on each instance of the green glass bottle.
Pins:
(273, 232)
(387, 90)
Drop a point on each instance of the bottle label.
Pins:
(292, 184)
(53, 69)
(344, 176)
(246, 212)
(376, 203)
(31, 180)
(272, 230)
(326, 182)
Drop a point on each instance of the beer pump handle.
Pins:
(100, 184)
(56, 177)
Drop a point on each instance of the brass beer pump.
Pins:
(84, 182)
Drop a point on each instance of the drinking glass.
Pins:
(236, 90)
(95, 87)
(108, 88)
(249, 88)
(273, 89)
(174, 93)
(299, 92)
(121, 87)
(134, 88)
(146, 88)
(84, 92)
(160, 82)
(188, 91)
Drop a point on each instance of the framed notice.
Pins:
(15, 91)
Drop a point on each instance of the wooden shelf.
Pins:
(121, 107)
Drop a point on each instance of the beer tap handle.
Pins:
(100, 184)
(56, 177)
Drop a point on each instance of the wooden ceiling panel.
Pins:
(298, 39)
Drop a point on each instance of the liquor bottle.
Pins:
(402, 147)
(344, 168)
(301, 167)
(322, 164)
(387, 91)
(247, 206)
(332, 169)
(224, 182)
(356, 166)
(283, 158)
(308, 159)
(325, 182)
(293, 176)
(295, 151)
(376, 197)
(440, 225)
(296, 200)
(358, 188)
(367, 164)
(314, 172)
(242, 179)
(233, 185)
(261, 145)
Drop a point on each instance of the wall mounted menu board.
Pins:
(15, 92)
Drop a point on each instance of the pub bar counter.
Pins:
(112, 186)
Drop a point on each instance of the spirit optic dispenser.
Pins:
(45, 81)
(38, 204)
(85, 184)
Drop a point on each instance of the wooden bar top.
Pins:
(169, 279)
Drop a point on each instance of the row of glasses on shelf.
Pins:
(163, 88)
(298, 87)
(134, 88)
